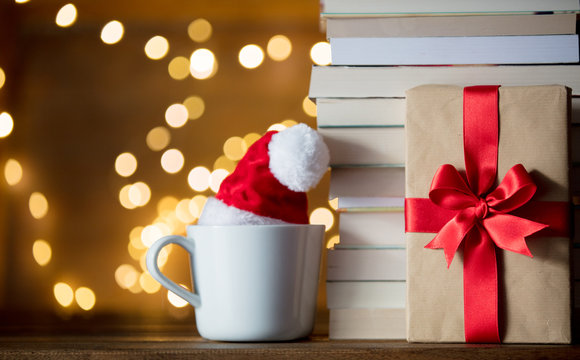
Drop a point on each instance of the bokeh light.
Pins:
(198, 178)
(126, 276)
(166, 205)
(63, 294)
(222, 162)
(309, 107)
(176, 115)
(320, 53)
(66, 16)
(6, 124)
(149, 285)
(251, 56)
(126, 164)
(175, 300)
(322, 216)
(195, 107)
(248, 140)
(332, 241)
(157, 47)
(124, 197)
(158, 138)
(202, 64)
(233, 148)
(279, 48)
(199, 30)
(196, 205)
(112, 32)
(288, 123)
(182, 212)
(277, 127)
(42, 252)
(85, 298)
(152, 233)
(21, 1)
(172, 161)
(178, 68)
(13, 172)
(216, 178)
(38, 205)
(139, 194)
(2, 78)
(333, 203)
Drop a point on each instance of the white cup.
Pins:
(251, 282)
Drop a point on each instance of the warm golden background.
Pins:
(76, 217)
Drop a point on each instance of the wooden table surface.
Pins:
(191, 347)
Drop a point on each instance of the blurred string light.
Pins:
(222, 162)
(66, 16)
(322, 216)
(251, 56)
(63, 294)
(139, 194)
(172, 161)
(176, 115)
(178, 68)
(279, 48)
(13, 172)
(195, 107)
(175, 299)
(249, 140)
(85, 298)
(202, 64)
(233, 148)
(158, 138)
(21, 1)
(38, 205)
(332, 241)
(320, 53)
(333, 203)
(199, 30)
(6, 124)
(309, 107)
(2, 78)
(215, 179)
(112, 32)
(126, 276)
(126, 164)
(157, 47)
(198, 178)
(42, 252)
(149, 285)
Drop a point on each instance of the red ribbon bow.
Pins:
(483, 213)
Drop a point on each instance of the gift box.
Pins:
(487, 214)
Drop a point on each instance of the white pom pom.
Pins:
(298, 157)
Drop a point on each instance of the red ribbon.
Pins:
(471, 213)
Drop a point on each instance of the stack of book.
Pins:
(379, 50)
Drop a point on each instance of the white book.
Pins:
(430, 7)
(381, 112)
(365, 146)
(376, 203)
(531, 49)
(360, 229)
(366, 181)
(366, 294)
(393, 81)
(367, 324)
(474, 25)
(378, 112)
(366, 264)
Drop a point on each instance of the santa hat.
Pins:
(270, 182)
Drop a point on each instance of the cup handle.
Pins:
(151, 261)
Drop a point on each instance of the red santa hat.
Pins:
(270, 182)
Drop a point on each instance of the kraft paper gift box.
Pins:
(533, 299)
